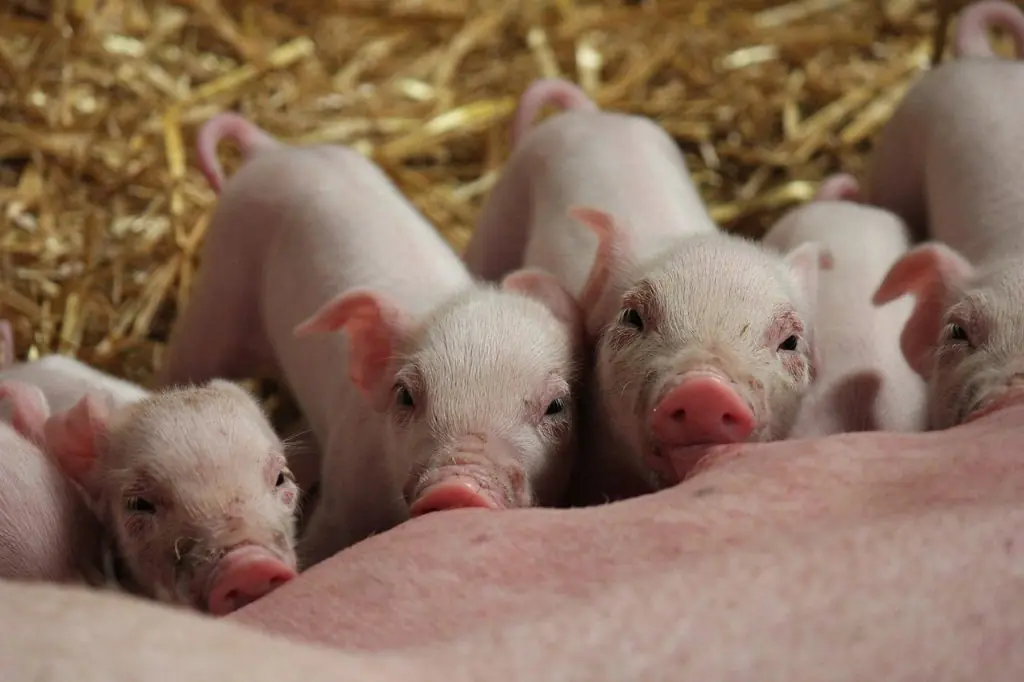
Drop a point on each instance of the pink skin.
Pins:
(949, 163)
(977, 19)
(414, 413)
(862, 382)
(650, 245)
(708, 372)
(839, 187)
(547, 92)
(557, 165)
(46, 531)
(183, 480)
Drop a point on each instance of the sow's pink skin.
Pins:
(190, 483)
(439, 393)
(701, 337)
(862, 383)
(951, 163)
(46, 531)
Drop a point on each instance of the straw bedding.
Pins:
(103, 210)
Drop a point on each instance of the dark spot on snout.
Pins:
(480, 539)
(704, 492)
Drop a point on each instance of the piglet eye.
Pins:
(958, 333)
(556, 406)
(140, 505)
(631, 318)
(284, 477)
(789, 344)
(403, 396)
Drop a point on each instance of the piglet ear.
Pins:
(374, 322)
(29, 408)
(546, 288)
(930, 272)
(613, 256)
(74, 438)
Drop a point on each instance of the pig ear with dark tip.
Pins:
(546, 288)
(375, 323)
(29, 408)
(612, 257)
(75, 437)
(930, 272)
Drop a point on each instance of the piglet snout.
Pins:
(243, 576)
(452, 493)
(702, 409)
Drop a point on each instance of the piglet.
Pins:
(701, 337)
(975, 21)
(863, 383)
(441, 392)
(190, 483)
(950, 162)
(46, 530)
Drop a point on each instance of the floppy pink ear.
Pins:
(930, 272)
(375, 323)
(546, 288)
(29, 408)
(74, 438)
(613, 256)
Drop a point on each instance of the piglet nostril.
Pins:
(729, 419)
(679, 415)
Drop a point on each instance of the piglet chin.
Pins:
(242, 576)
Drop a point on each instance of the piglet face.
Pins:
(479, 398)
(711, 345)
(195, 490)
(979, 352)
(486, 396)
(964, 335)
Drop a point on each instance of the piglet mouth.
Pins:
(459, 486)
(242, 575)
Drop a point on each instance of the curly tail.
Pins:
(838, 187)
(250, 137)
(556, 91)
(976, 19)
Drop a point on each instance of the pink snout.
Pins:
(243, 576)
(702, 410)
(453, 493)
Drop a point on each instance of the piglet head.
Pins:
(479, 397)
(193, 488)
(964, 335)
(711, 344)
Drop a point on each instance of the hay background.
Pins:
(103, 209)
